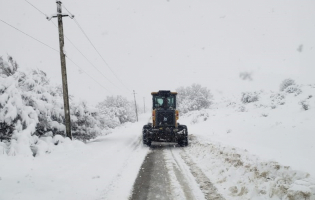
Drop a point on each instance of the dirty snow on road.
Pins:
(166, 174)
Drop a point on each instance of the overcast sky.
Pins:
(164, 44)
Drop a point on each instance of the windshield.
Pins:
(163, 102)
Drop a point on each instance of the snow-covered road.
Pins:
(119, 166)
(103, 169)
(169, 173)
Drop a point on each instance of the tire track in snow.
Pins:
(187, 187)
(206, 186)
(168, 173)
(153, 181)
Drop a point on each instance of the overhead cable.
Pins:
(96, 50)
(75, 46)
(56, 51)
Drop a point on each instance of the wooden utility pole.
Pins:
(63, 69)
(143, 105)
(134, 95)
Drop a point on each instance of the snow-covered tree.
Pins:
(46, 99)
(194, 97)
(117, 110)
(84, 121)
(18, 121)
(31, 107)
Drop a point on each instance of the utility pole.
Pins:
(134, 95)
(143, 105)
(63, 68)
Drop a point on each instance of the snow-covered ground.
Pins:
(105, 167)
(258, 150)
(274, 127)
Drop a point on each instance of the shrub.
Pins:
(278, 98)
(8, 68)
(116, 110)
(286, 83)
(18, 121)
(241, 109)
(293, 89)
(194, 97)
(246, 76)
(248, 97)
(30, 106)
(264, 114)
(85, 123)
(305, 105)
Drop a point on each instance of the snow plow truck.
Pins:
(164, 126)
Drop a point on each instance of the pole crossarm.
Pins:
(59, 12)
(62, 15)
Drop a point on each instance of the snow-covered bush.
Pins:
(30, 108)
(293, 89)
(246, 76)
(115, 110)
(241, 109)
(264, 114)
(286, 83)
(305, 105)
(18, 121)
(8, 68)
(277, 98)
(46, 99)
(84, 122)
(194, 97)
(248, 97)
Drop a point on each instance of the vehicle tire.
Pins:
(148, 143)
(145, 140)
(184, 142)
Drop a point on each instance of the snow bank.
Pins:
(241, 175)
(276, 127)
(259, 146)
(104, 168)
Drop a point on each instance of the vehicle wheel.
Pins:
(184, 142)
(145, 140)
(148, 143)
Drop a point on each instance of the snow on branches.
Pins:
(31, 107)
(115, 110)
(32, 112)
(194, 97)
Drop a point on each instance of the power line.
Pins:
(56, 51)
(74, 45)
(88, 74)
(90, 62)
(30, 36)
(36, 8)
(96, 49)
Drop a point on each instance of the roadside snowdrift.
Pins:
(260, 149)
(104, 168)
